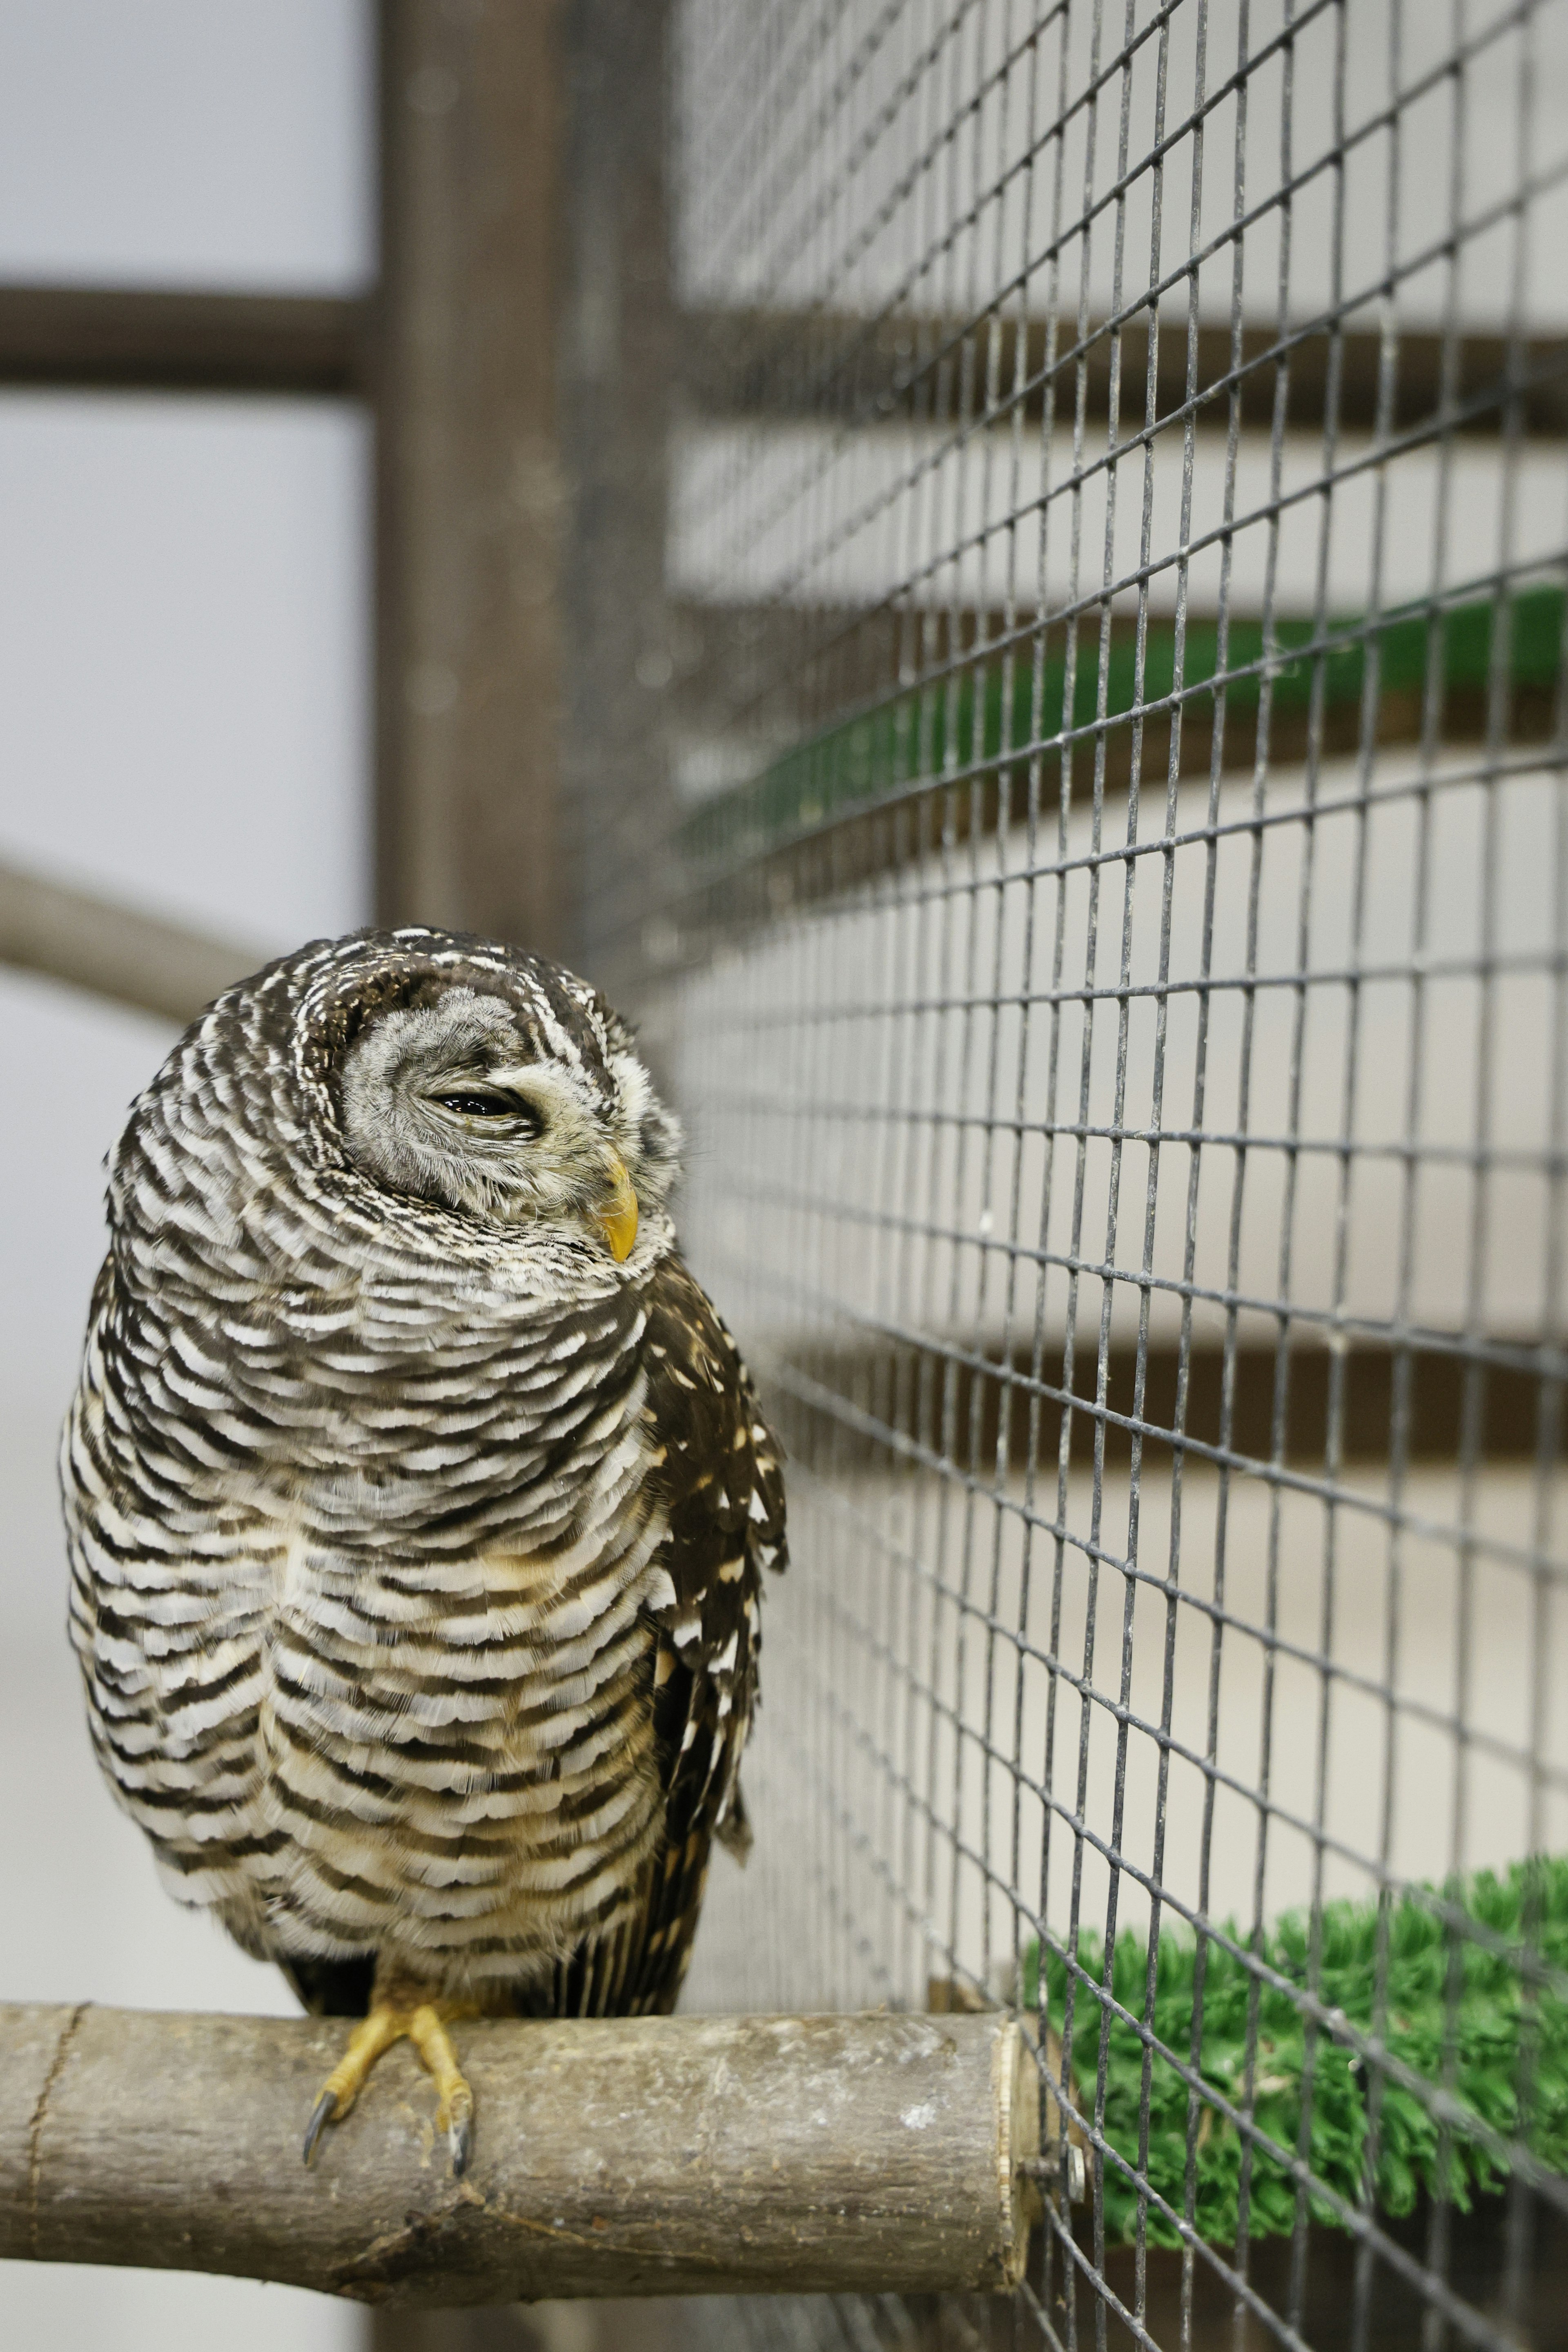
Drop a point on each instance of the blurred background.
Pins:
(185, 727)
(640, 478)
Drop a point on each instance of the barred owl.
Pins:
(417, 1500)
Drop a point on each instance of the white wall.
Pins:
(187, 143)
(869, 1082)
(183, 722)
(819, 157)
(826, 1068)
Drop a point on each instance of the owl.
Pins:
(417, 1500)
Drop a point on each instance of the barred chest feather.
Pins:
(434, 1738)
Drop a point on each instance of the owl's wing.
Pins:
(724, 1496)
(726, 1503)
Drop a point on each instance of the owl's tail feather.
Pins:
(332, 1988)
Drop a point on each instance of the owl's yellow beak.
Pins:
(617, 1220)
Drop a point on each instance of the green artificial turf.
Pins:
(913, 736)
(1476, 2053)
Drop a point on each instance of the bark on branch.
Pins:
(631, 2157)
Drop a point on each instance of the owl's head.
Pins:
(448, 1094)
(495, 1102)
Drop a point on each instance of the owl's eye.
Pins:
(470, 1103)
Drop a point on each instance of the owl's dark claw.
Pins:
(320, 2117)
(425, 2023)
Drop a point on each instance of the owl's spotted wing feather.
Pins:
(724, 1497)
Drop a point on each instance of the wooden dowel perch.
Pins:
(630, 2157)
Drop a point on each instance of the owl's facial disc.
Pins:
(443, 1102)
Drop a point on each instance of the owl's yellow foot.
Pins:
(423, 2022)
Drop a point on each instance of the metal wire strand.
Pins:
(1116, 980)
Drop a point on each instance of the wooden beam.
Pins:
(646, 2156)
(782, 363)
(836, 1400)
(1190, 2305)
(786, 670)
(123, 339)
(1313, 2285)
(111, 950)
(908, 369)
(839, 724)
(618, 344)
(471, 488)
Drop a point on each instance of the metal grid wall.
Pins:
(1119, 526)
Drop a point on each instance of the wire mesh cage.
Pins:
(1116, 988)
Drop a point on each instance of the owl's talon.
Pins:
(322, 2115)
(423, 2022)
(427, 2031)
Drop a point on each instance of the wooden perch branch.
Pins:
(630, 2156)
(113, 952)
